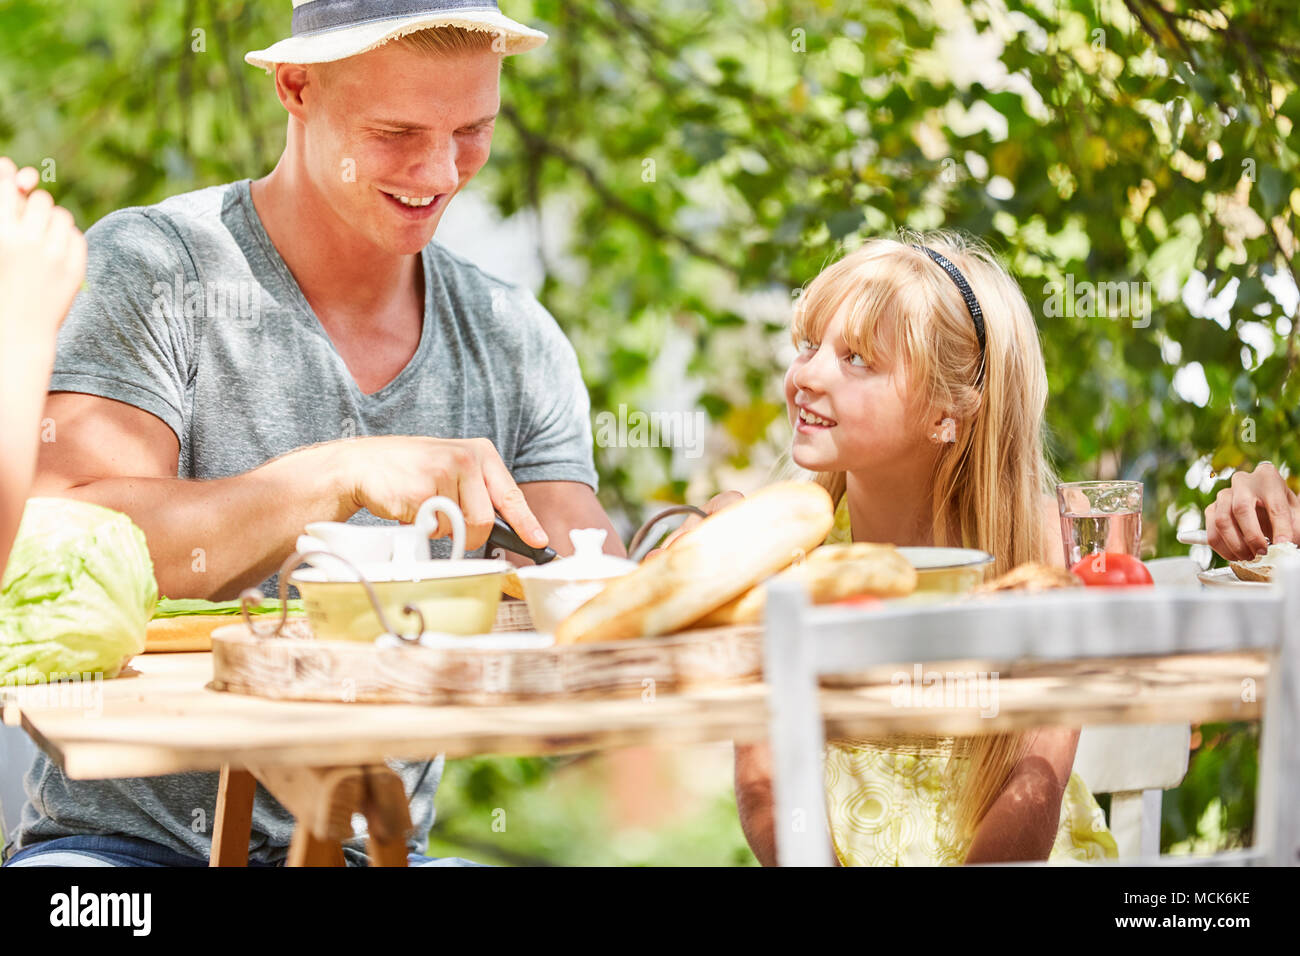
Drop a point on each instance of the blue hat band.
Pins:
(322, 16)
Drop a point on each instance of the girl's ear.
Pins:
(943, 430)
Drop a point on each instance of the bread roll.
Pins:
(1252, 571)
(1262, 568)
(833, 572)
(512, 587)
(724, 556)
(1030, 576)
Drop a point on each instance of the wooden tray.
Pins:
(298, 667)
(193, 632)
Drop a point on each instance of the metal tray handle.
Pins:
(252, 596)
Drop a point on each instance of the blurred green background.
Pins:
(688, 166)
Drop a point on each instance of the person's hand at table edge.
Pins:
(1257, 509)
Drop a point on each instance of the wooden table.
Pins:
(324, 761)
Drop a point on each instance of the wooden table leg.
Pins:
(388, 817)
(308, 850)
(323, 800)
(232, 829)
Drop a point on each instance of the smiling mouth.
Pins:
(412, 200)
(415, 206)
(808, 418)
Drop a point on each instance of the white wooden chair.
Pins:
(803, 642)
(1136, 763)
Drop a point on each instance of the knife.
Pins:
(504, 536)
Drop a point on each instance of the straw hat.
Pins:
(325, 30)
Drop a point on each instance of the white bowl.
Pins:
(551, 600)
(948, 570)
(557, 589)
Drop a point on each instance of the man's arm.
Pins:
(207, 539)
(563, 505)
(212, 538)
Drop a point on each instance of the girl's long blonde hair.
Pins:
(988, 487)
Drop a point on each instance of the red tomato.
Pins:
(1112, 569)
(862, 600)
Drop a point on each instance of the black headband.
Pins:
(972, 304)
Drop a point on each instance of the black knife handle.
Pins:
(503, 536)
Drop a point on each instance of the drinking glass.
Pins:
(1100, 516)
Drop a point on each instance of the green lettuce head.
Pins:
(77, 594)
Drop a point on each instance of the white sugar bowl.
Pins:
(558, 588)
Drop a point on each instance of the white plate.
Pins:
(1224, 578)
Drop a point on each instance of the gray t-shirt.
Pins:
(191, 315)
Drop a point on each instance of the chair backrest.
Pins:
(1114, 758)
(1134, 763)
(802, 643)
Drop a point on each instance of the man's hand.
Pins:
(392, 475)
(42, 261)
(1257, 508)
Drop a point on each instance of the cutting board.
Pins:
(187, 632)
(298, 667)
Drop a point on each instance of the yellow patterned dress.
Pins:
(887, 800)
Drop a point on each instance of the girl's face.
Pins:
(851, 415)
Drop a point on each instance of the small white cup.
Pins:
(384, 544)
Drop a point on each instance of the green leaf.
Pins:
(1274, 189)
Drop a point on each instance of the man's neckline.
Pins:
(303, 308)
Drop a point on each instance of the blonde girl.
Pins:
(917, 395)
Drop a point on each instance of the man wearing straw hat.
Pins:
(254, 356)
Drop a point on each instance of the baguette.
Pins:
(831, 573)
(723, 557)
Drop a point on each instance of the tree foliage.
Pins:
(705, 159)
